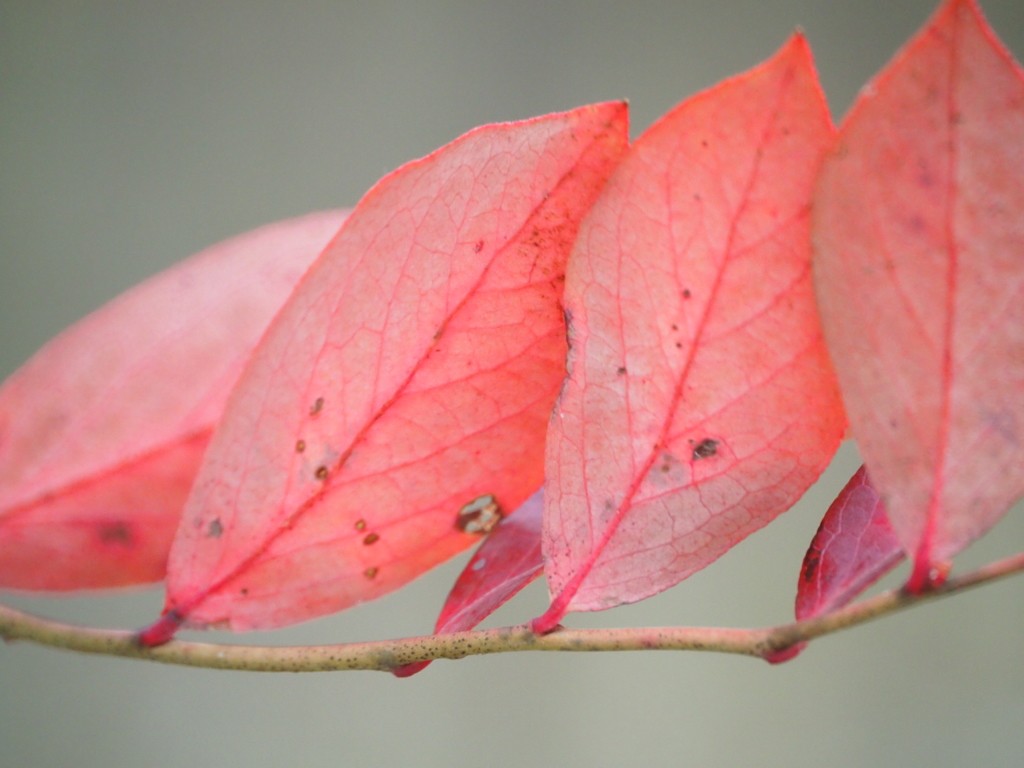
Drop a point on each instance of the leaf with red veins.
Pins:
(102, 430)
(508, 560)
(411, 373)
(920, 278)
(700, 402)
(854, 547)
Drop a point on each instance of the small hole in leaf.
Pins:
(479, 516)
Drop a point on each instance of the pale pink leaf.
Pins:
(919, 232)
(410, 375)
(103, 429)
(700, 402)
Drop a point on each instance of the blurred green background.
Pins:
(134, 134)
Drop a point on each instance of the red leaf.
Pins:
(700, 402)
(853, 548)
(920, 278)
(508, 560)
(103, 429)
(411, 373)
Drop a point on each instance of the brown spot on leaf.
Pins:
(360, 525)
(370, 572)
(621, 370)
(705, 449)
(370, 539)
(479, 515)
(300, 446)
(115, 533)
(811, 565)
(686, 293)
(215, 529)
(318, 405)
(321, 473)
(479, 246)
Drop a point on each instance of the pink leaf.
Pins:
(853, 548)
(410, 375)
(920, 278)
(103, 429)
(508, 560)
(700, 402)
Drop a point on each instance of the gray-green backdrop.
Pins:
(133, 134)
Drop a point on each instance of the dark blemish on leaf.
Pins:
(679, 345)
(479, 246)
(300, 446)
(244, 590)
(371, 538)
(686, 293)
(621, 370)
(318, 405)
(370, 572)
(665, 467)
(360, 525)
(703, 142)
(321, 473)
(705, 449)
(215, 529)
(115, 533)
(675, 327)
(811, 565)
(696, 196)
(479, 516)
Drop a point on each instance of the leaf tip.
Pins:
(782, 655)
(408, 670)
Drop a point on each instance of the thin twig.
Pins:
(388, 654)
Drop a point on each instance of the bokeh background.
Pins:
(133, 134)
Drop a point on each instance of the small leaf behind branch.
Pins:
(508, 560)
(853, 548)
